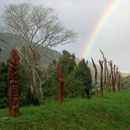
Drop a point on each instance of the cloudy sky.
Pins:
(82, 16)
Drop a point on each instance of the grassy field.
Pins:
(111, 112)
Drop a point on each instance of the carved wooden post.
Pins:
(62, 82)
(87, 89)
(101, 77)
(13, 84)
(96, 88)
(113, 86)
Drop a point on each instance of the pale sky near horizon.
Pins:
(82, 16)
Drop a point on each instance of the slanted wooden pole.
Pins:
(96, 88)
(101, 77)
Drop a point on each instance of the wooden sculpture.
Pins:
(87, 89)
(101, 77)
(62, 83)
(13, 84)
(96, 88)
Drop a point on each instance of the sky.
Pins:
(82, 16)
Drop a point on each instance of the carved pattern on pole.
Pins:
(13, 84)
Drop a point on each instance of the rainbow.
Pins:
(101, 23)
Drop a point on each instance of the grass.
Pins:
(111, 112)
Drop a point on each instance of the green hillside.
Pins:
(109, 113)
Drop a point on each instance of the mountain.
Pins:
(48, 55)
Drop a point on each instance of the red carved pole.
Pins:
(101, 77)
(96, 88)
(13, 84)
(62, 82)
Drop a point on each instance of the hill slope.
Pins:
(109, 113)
(47, 55)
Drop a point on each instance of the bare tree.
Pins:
(36, 28)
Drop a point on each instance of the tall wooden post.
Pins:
(105, 71)
(62, 83)
(113, 86)
(96, 88)
(101, 77)
(61, 79)
(116, 79)
(120, 82)
(13, 84)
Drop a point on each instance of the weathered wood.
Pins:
(13, 84)
(105, 71)
(113, 83)
(101, 77)
(96, 88)
(120, 82)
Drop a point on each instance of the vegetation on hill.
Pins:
(126, 83)
(73, 75)
(111, 112)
